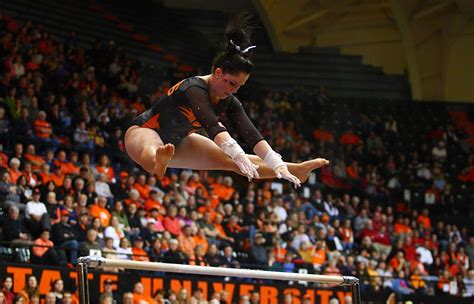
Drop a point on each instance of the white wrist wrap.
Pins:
(231, 148)
(273, 160)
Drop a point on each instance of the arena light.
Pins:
(97, 262)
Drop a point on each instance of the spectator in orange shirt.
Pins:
(43, 129)
(349, 138)
(45, 175)
(153, 202)
(99, 210)
(138, 295)
(201, 239)
(424, 219)
(67, 167)
(171, 222)
(225, 190)
(36, 160)
(139, 254)
(187, 242)
(57, 177)
(43, 251)
(142, 187)
(353, 171)
(218, 225)
(13, 170)
(3, 158)
(195, 183)
(103, 166)
(31, 178)
(134, 198)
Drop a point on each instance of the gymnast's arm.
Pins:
(260, 146)
(198, 100)
(246, 129)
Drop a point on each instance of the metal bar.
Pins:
(355, 290)
(96, 262)
(82, 282)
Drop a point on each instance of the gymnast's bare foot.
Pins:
(303, 169)
(163, 157)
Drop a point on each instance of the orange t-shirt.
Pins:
(425, 221)
(140, 255)
(401, 228)
(58, 180)
(14, 175)
(67, 168)
(45, 178)
(43, 129)
(108, 171)
(201, 241)
(319, 257)
(150, 204)
(40, 249)
(102, 213)
(36, 160)
(139, 299)
(143, 190)
(220, 229)
(223, 192)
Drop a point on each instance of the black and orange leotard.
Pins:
(187, 108)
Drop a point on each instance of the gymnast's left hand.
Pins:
(282, 172)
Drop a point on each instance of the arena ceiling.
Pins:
(429, 40)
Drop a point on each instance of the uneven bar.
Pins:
(96, 262)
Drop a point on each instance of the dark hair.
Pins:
(231, 59)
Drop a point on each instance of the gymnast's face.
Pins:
(225, 84)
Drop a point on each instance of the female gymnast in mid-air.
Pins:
(164, 135)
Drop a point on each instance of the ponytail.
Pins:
(235, 55)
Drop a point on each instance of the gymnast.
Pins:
(165, 135)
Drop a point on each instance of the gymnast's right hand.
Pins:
(246, 166)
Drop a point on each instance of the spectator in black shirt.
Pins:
(13, 227)
(227, 259)
(121, 189)
(258, 253)
(174, 255)
(22, 126)
(64, 236)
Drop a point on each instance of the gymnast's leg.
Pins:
(146, 148)
(200, 153)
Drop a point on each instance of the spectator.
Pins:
(114, 231)
(124, 251)
(64, 235)
(14, 169)
(174, 255)
(127, 298)
(108, 291)
(109, 252)
(171, 222)
(138, 251)
(57, 289)
(100, 210)
(258, 253)
(121, 189)
(50, 298)
(102, 188)
(37, 218)
(400, 285)
(139, 296)
(44, 253)
(7, 290)
(31, 289)
(90, 246)
(103, 166)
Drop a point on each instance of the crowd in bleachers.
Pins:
(68, 190)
